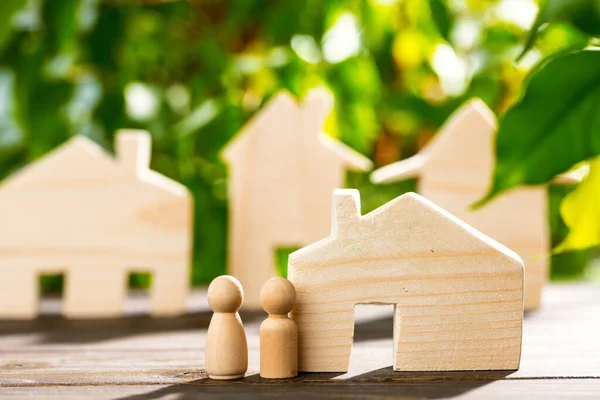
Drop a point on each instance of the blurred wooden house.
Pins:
(95, 218)
(282, 171)
(455, 170)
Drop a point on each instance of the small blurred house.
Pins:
(282, 171)
(95, 218)
(455, 170)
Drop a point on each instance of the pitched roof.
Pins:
(473, 117)
(281, 103)
(353, 160)
(56, 165)
(93, 164)
(408, 226)
(315, 108)
(469, 128)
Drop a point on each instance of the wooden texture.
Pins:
(226, 345)
(580, 389)
(454, 171)
(94, 218)
(457, 294)
(137, 357)
(278, 333)
(282, 170)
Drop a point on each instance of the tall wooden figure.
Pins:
(226, 346)
(278, 333)
(282, 170)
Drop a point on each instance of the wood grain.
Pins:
(278, 333)
(226, 353)
(52, 357)
(547, 389)
(457, 294)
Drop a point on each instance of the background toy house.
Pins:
(95, 218)
(282, 170)
(457, 294)
(455, 170)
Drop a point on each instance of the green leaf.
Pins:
(7, 9)
(581, 212)
(570, 264)
(555, 125)
(441, 17)
(584, 14)
(60, 19)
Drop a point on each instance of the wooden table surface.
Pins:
(138, 357)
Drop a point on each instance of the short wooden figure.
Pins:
(226, 346)
(455, 170)
(457, 294)
(95, 218)
(278, 333)
(282, 170)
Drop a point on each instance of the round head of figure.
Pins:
(225, 294)
(277, 296)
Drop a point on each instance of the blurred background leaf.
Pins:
(582, 14)
(7, 10)
(581, 212)
(193, 72)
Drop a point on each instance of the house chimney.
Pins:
(346, 210)
(133, 149)
(316, 107)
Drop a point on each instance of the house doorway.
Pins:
(372, 348)
(139, 298)
(51, 290)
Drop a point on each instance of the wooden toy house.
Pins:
(455, 170)
(282, 169)
(94, 218)
(457, 294)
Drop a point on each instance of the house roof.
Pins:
(353, 159)
(314, 110)
(455, 138)
(473, 114)
(82, 160)
(409, 226)
(281, 103)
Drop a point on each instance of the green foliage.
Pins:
(554, 126)
(193, 72)
(7, 9)
(568, 264)
(140, 280)
(581, 212)
(441, 17)
(584, 14)
(281, 260)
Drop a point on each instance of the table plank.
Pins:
(560, 341)
(519, 389)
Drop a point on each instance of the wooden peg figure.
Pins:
(226, 346)
(278, 333)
